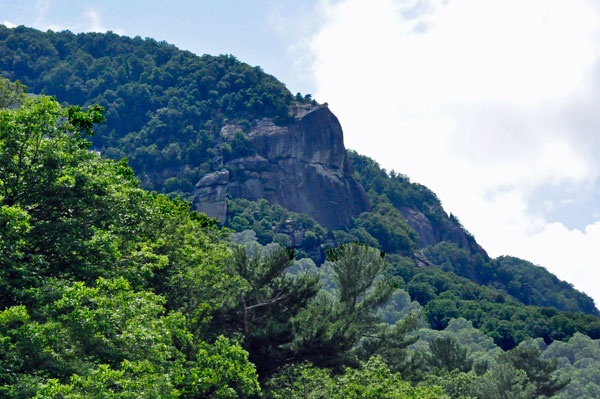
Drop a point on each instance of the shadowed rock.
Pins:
(302, 167)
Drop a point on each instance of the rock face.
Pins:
(302, 167)
(430, 234)
(209, 196)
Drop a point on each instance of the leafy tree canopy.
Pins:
(105, 287)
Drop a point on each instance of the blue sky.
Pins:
(491, 104)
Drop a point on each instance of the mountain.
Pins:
(226, 136)
(164, 107)
(108, 288)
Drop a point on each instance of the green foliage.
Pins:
(265, 305)
(507, 321)
(74, 215)
(480, 347)
(133, 379)
(447, 354)
(504, 381)
(93, 332)
(579, 360)
(271, 223)
(455, 384)
(539, 371)
(165, 107)
(85, 121)
(531, 285)
(534, 284)
(356, 267)
(449, 257)
(220, 371)
(106, 288)
(373, 380)
(265, 220)
(387, 226)
(11, 94)
(111, 323)
(302, 381)
(396, 187)
(336, 323)
(240, 146)
(55, 189)
(398, 307)
(397, 190)
(512, 323)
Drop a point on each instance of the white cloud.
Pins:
(570, 254)
(9, 24)
(89, 19)
(485, 102)
(41, 10)
(93, 20)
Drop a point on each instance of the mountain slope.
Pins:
(165, 107)
(108, 289)
(178, 117)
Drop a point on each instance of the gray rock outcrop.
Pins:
(431, 234)
(303, 167)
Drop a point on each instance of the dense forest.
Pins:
(164, 107)
(108, 289)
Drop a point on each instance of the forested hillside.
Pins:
(164, 112)
(110, 290)
(164, 107)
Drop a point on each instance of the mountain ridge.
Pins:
(108, 288)
(166, 110)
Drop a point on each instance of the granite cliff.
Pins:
(303, 167)
(432, 233)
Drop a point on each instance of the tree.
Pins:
(579, 361)
(375, 380)
(503, 381)
(539, 371)
(447, 354)
(456, 384)
(299, 381)
(106, 289)
(51, 181)
(372, 379)
(11, 94)
(265, 305)
(330, 331)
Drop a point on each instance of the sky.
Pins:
(491, 104)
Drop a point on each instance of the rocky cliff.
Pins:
(303, 167)
(432, 233)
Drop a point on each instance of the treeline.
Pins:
(530, 284)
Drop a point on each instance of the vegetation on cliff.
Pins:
(164, 107)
